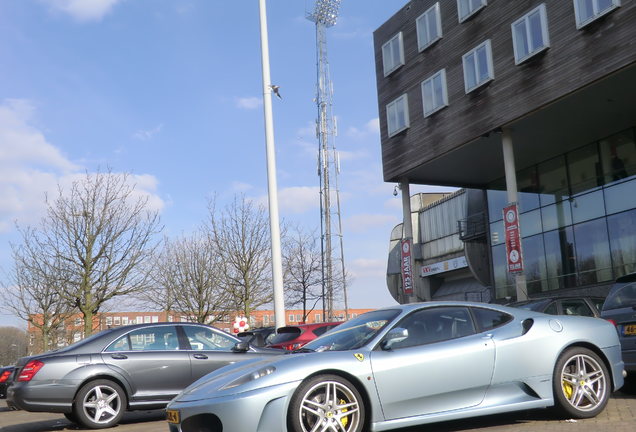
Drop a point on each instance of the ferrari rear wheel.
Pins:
(581, 383)
(326, 403)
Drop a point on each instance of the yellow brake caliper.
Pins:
(344, 420)
(567, 389)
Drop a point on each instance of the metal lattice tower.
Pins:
(325, 14)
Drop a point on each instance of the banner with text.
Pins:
(407, 271)
(513, 238)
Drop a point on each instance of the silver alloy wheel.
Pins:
(101, 404)
(583, 382)
(329, 406)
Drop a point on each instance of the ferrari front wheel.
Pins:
(581, 383)
(326, 403)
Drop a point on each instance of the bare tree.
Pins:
(302, 270)
(187, 279)
(240, 235)
(13, 345)
(34, 295)
(94, 239)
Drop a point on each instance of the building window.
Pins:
(530, 34)
(587, 11)
(291, 318)
(434, 93)
(467, 8)
(397, 113)
(478, 69)
(429, 27)
(393, 54)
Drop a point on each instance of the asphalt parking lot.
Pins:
(619, 416)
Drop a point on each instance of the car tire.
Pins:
(71, 417)
(581, 383)
(328, 399)
(99, 404)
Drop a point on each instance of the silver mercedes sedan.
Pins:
(413, 364)
(143, 366)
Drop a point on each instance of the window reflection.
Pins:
(584, 168)
(622, 237)
(618, 155)
(552, 180)
(560, 258)
(592, 252)
(534, 264)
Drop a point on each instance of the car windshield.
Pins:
(354, 333)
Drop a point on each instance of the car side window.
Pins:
(432, 325)
(551, 309)
(160, 338)
(576, 307)
(121, 344)
(204, 339)
(488, 319)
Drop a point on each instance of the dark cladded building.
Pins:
(554, 81)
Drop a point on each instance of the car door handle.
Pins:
(200, 356)
(119, 356)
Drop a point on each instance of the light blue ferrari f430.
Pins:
(413, 364)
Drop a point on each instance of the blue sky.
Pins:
(171, 91)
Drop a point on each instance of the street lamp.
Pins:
(274, 225)
(325, 12)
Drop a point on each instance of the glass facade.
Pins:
(578, 218)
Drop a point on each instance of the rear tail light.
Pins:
(612, 321)
(29, 370)
(5, 376)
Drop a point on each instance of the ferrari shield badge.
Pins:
(359, 356)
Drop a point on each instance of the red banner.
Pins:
(407, 271)
(513, 238)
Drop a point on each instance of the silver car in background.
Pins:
(409, 365)
(143, 366)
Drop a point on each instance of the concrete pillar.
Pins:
(408, 234)
(513, 197)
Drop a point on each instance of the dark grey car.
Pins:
(143, 366)
(620, 309)
(584, 306)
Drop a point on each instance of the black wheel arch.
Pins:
(121, 383)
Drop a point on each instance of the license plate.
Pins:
(172, 416)
(629, 330)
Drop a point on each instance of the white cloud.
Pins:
(249, 103)
(367, 267)
(83, 10)
(365, 222)
(299, 199)
(21, 143)
(31, 167)
(295, 200)
(370, 128)
(147, 134)
(238, 186)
